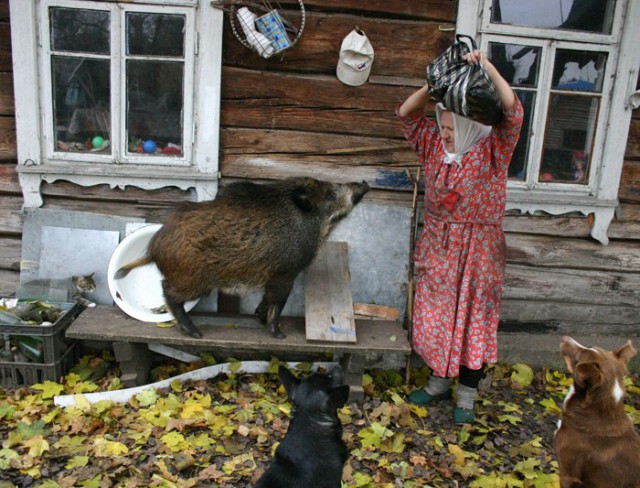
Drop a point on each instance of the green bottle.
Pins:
(31, 347)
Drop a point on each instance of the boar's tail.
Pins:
(124, 271)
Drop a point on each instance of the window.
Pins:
(569, 62)
(118, 86)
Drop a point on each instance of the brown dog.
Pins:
(596, 443)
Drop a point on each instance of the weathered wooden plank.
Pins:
(439, 10)
(9, 183)
(328, 305)
(550, 225)
(633, 140)
(5, 47)
(10, 253)
(569, 317)
(562, 252)
(7, 106)
(360, 149)
(151, 213)
(11, 215)
(574, 286)
(370, 310)
(109, 323)
(9, 281)
(167, 197)
(402, 47)
(630, 182)
(8, 151)
(309, 103)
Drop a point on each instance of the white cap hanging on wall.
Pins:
(356, 58)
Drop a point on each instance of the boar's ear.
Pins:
(289, 381)
(338, 397)
(625, 353)
(305, 195)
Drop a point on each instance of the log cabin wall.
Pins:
(290, 115)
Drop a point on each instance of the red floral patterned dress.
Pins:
(460, 257)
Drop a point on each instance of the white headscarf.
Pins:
(467, 133)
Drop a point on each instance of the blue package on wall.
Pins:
(271, 25)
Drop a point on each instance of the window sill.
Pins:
(142, 176)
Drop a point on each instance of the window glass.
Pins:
(568, 138)
(81, 101)
(155, 34)
(578, 70)
(518, 166)
(580, 15)
(517, 63)
(76, 30)
(154, 107)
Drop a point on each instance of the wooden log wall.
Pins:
(289, 115)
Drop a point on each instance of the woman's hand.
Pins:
(476, 57)
(505, 92)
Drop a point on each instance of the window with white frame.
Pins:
(569, 62)
(127, 93)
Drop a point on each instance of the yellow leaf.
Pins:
(77, 462)
(104, 448)
(175, 441)
(458, 453)
(522, 375)
(37, 445)
(82, 403)
(166, 325)
(49, 389)
(176, 386)
(147, 397)
(551, 406)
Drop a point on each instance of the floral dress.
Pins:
(460, 257)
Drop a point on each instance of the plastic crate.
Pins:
(59, 353)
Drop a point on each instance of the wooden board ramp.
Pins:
(328, 304)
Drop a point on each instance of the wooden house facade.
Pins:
(289, 115)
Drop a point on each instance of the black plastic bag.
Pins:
(463, 88)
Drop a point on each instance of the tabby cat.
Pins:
(61, 289)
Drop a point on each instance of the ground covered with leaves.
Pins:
(222, 432)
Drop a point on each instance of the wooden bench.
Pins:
(329, 328)
(230, 335)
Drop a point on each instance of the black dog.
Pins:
(312, 453)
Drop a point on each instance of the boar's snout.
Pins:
(358, 191)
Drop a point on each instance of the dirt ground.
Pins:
(221, 432)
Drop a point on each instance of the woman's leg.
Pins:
(467, 394)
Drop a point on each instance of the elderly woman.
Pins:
(460, 256)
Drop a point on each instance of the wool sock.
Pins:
(466, 397)
(437, 385)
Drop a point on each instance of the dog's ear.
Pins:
(587, 374)
(338, 397)
(625, 353)
(289, 381)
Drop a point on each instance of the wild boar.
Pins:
(251, 236)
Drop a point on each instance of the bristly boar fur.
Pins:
(251, 235)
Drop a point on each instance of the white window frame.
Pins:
(38, 161)
(600, 196)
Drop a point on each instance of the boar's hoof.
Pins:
(191, 331)
(277, 333)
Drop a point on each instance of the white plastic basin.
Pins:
(140, 292)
